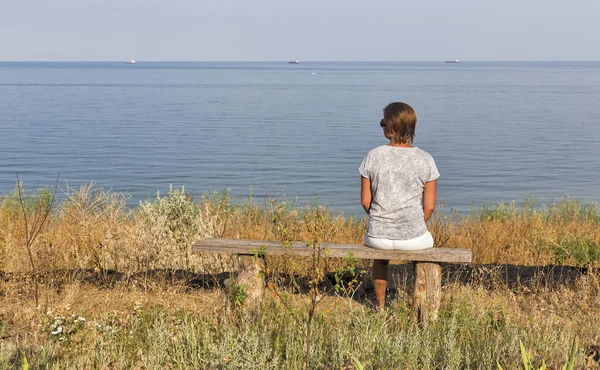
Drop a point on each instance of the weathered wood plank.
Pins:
(428, 291)
(250, 277)
(241, 246)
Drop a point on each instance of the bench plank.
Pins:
(241, 246)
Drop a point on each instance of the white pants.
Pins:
(421, 242)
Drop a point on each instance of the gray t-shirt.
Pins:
(397, 176)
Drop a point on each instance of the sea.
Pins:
(498, 131)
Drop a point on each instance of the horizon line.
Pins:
(305, 61)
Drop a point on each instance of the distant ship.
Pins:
(294, 62)
(130, 61)
(452, 61)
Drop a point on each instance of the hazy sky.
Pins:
(336, 30)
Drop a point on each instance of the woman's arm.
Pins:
(429, 199)
(365, 194)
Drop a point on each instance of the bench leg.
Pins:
(428, 290)
(250, 277)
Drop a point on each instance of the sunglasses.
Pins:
(382, 123)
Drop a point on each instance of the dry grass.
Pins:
(94, 229)
(564, 232)
(131, 271)
(127, 327)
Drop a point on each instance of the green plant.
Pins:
(528, 365)
(499, 212)
(24, 362)
(347, 276)
(176, 217)
(3, 328)
(168, 225)
(237, 295)
(61, 328)
(570, 365)
(581, 251)
(357, 364)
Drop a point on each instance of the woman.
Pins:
(398, 185)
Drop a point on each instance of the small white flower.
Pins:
(57, 331)
(68, 307)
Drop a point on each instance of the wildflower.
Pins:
(57, 331)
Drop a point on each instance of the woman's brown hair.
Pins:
(401, 119)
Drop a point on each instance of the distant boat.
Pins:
(130, 61)
(452, 61)
(294, 62)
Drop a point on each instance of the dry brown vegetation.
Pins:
(94, 229)
(132, 271)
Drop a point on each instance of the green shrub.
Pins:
(582, 251)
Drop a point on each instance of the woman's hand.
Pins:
(429, 199)
(365, 194)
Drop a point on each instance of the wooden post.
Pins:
(251, 278)
(428, 290)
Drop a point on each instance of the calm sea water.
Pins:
(498, 131)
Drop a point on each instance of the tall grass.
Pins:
(93, 229)
(475, 330)
(167, 326)
(566, 232)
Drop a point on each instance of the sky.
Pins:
(307, 30)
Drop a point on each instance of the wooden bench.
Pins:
(428, 272)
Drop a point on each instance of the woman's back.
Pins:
(397, 190)
(398, 176)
